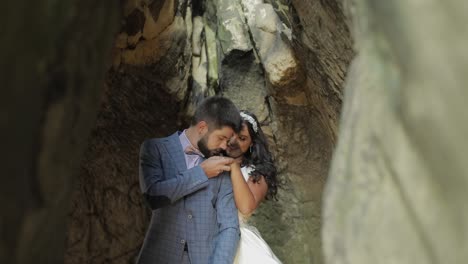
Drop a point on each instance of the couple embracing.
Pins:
(202, 184)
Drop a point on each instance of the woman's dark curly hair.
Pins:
(260, 157)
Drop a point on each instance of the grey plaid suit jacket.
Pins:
(187, 207)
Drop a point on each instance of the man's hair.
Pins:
(217, 112)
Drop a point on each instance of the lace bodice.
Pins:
(246, 171)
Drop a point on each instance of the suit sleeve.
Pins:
(158, 191)
(228, 222)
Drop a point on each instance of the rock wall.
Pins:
(145, 93)
(396, 192)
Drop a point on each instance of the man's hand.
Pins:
(215, 165)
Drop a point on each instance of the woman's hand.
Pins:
(235, 165)
(215, 165)
(238, 160)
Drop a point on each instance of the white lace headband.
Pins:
(251, 120)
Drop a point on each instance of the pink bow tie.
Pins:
(193, 151)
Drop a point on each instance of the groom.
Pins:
(187, 185)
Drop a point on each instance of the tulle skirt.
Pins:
(253, 249)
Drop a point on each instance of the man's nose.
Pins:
(232, 140)
(224, 145)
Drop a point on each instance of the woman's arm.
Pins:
(247, 195)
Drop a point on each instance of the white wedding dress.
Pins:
(252, 248)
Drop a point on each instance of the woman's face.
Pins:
(244, 139)
(241, 144)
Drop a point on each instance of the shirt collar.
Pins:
(187, 144)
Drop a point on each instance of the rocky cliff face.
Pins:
(285, 61)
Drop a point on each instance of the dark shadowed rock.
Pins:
(53, 58)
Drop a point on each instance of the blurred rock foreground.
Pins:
(85, 83)
(396, 191)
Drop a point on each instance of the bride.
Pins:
(253, 177)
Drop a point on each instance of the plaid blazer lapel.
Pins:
(176, 152)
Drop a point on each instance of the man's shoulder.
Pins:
(157, 141)
(150, 143)
(154, 140)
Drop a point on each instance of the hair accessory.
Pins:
(251, 120)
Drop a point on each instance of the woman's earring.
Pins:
(250, 148)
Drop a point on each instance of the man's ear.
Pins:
(202, 127)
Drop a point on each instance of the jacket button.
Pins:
(182, 241)
(190, 216)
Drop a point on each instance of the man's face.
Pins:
(214, 142)
(240, 144)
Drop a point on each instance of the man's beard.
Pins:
(203, 147)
